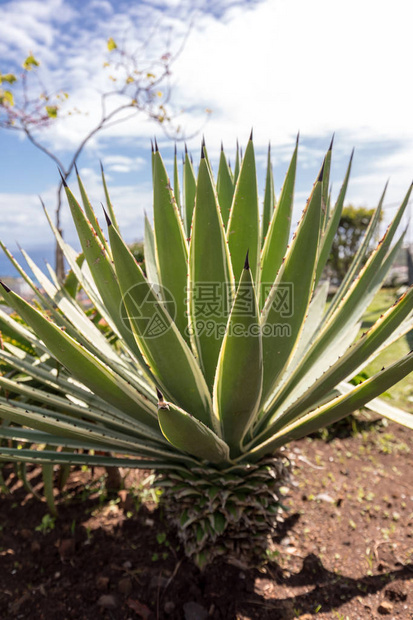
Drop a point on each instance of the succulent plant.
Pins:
(214, 359)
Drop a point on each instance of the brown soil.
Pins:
(345, 551)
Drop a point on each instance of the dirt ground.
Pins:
(345, 550)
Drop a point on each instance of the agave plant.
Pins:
(215, 358)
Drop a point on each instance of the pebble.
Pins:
(125, 586)
(102, 582)
(195, 611)
(324, 497)
(385, 608)
(169, 607)
(66, 548)
(107, 601)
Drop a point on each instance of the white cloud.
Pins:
(277, 65)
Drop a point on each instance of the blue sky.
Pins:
(280, 66)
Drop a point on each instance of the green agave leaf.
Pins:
(85, 279)
(177, 191)
(348, 363)
(109, 206)
(49, 376)
(72, 317)
(275, 243)
(71, 284)
(60, 425)
(269, 199)
(50, 456)
(100, 265)
(358, 258)
(90, 214)
(40, 438)
(328, 211)
(116, 422)
(83, 365)
(315, 312)
(339, 408)
(170, 243)
(295, 282)
(237, 166)
(47, 475)
(21, 471)
(332, 224)
(243, 225)
(158, 337)
(351, 307)
(189, 193)
(79, 326)
(210, 277)
(190, 435)
(42, 299)
(225, 187)
(150, 253)
(402, 330)
(15, 330)
(326, 181)
(238, 380)
(382, 407)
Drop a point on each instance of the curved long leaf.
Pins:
(210, 277)
(190, 435)
(383, 408)
(83, 365)
(332, 225)
(269, 198)
(339, 408)
(243, 225)
(225, 187)
(351, 307)
(158, 337)
(286, 306)
(238, 380)
(150, 254)
(276, 240)
(189, 193)
(350, 361)
(170, 244)
(101, 267)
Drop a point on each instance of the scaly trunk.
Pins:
(231, 513)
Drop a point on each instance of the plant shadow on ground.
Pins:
(339, 554)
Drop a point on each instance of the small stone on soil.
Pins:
(107, 601)
(169, 607)
(194, 611)
(385, 608)
(125, 586)
(102, 582)
(35, 546)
